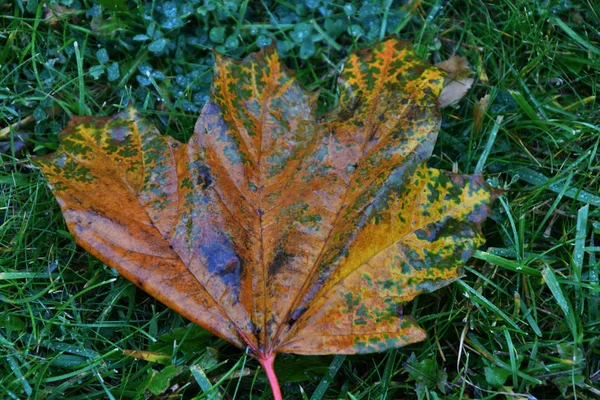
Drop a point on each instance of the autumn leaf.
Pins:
(274, 230)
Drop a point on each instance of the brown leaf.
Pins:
(272, 230)
(18, 143)
(458, 82)
(54, 13)
(479, 112)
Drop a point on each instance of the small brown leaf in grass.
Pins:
(458, 81)
(479, 113)
(54, 13)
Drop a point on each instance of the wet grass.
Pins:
(522, 323)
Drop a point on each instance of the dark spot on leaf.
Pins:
(347, 113)
(203, 177)
(417, 69)
(373, 133)
(119, 133)
(271, 325)
(296, 315)
(222, 261)
(413, 113)
(281, 258)
(479, 213)
(256, 330)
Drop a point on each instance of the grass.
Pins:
(523, 322)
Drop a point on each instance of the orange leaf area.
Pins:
(272, 229)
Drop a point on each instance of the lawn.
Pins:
(522, 323)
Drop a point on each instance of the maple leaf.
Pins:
(274, 231)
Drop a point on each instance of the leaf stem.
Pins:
(267, 362)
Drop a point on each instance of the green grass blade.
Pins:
(514, 266)
(328, 377)
(538, 179)
(573, 35)
(80, 80)
(204, 383)
(513, 360)
(477, 297)
(561, 300)
(578, 252)
(490, 143)
(388, 373)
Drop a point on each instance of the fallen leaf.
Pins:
(19, 142)
(482, 74)
(479, 112)
(149, 356)
(459, 80)
(55, 13)
(271, 230)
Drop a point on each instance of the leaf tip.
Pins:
(497, 193)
